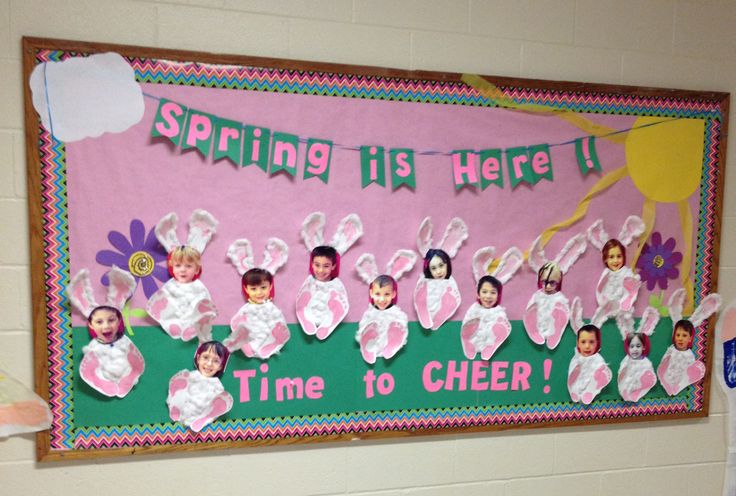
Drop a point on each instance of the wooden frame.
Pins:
(651, 101)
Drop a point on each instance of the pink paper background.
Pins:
(118, 177)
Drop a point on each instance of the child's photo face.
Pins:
(322, 268)
(682, 339)
(551, 281)
(382, 296)
(636, 348)
(209, 363)
(488, 295)
(587, 343)
(438, 268)
(259, 293)
(614, 258)
(105, 323)
(184, 270)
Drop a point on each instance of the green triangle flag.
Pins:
(491, 171)
(169, 120)
(255, 146)
(372, 165)
(541, 163)
(402, 168)
(587, 156)
(284, 151)
(519, 168)
(464, 170)
(228, 138)
(317, 164)
(199, 131)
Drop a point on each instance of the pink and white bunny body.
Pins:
(436, 300)
(258, 329)
(679, 368)
(111, 368)
(636, 378)
(587, 376)
(196, 400)
(546, 317)
(382, 333)
(322, 305)
(547, 314)
(484, 330)
(184, 310)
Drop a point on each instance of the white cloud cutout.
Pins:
(87, 96)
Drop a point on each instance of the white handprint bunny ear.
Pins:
(707, 307)
(121, 287)
(576, 314)
(456, 233)
(510, 262)
(569, 254)
(401, 263)
(367, 268)
(482, 258)
(675, 304)
(649, 320)
(633, 227)
(202, 226)
(348, 232)
(240, 254)
(625, 324)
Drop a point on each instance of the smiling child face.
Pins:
(587, 343)
(105, 323)
(614, 258)
(209, 362)
(322, 268)
(382, 296)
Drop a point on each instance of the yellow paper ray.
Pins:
(491, 91)
(686, 219)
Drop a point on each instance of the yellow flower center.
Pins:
(658, 261)
(140, 264)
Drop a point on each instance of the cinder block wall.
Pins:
(679, 44)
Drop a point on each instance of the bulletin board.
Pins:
(513, 158)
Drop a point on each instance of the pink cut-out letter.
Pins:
(227, 133)
(200, 129)
(518, 161)
(318, 156)
(520, 376)
(314, 388)
(284, 154)
(477, 375)
(171, 127)
(540, 162)
(404, 168)
(244, 376)
(490, 168)
(429, 385)
(498, 373)
(463, 167)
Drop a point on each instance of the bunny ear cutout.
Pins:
(348, 232)
(511, 261)
(121, 287)
(576, 314)
(80, 293)
(648, 322)
(570, 253)
(275, 256)
(367, 267)
(597, 234)
(424, 236)
(675, 304)
(240, 254)
(481, 260)
(166, 232)
(401, 263)
(726, 327)
(202, 226)
(625, 324)
(707, 307)
(313, 229)
(455, 233)
(632, 228)
(604, 312)
(536, 257)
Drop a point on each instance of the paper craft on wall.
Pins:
(275, 153)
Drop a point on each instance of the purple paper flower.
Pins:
(140, 256)
(658, 262)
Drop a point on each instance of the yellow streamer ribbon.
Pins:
(491, 91)
(648, 215)
(686, 219)
(603, 184)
